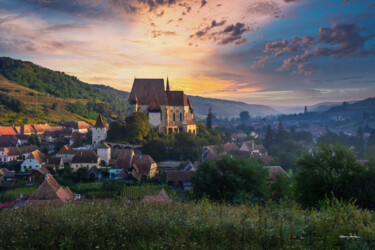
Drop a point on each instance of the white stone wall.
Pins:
(104, 154)
(29, 164)
(154, 119)
(98, 136)
(76, 166)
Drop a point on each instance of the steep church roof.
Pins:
(142, 89)
(176, 98)
(99, 122)
(154, 103)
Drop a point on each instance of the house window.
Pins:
(174, 117)
(180, 117)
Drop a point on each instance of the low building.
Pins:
(250, 146)
(162, 197)
(38, 175)
(8, 131)
(54, 163)
(66, 153)
(16, 153)
(274, 172)
(126, 159)
(216, 151)
(9, 141)
(85, 158)
(77, 126)
(34, 161)
(180, 179)
(50, 193)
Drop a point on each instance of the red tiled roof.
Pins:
(27, 129)
(176, 98)
(41, 128)
(99, 122)
(229, 146)
(8, 140)
(275, 171)
(66, 150)
(154, 103)
(190, 122)
(124, 158)
(85, 156)
(7, 131)
(76, 125)
(38, 156)
(143, 163)
(142, 89)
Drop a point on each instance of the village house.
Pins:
(274, 172)
(37, 175)
(180, 179)
(16, 153)
(54, 163)
(66, 153)
(7, 131)
(168, 111)
(77, 126)
(9, 141)
(34, 161)
(85, 158)
(50, 193)
(250, 146)
(6, 174)
(214, 152)
(144, 164)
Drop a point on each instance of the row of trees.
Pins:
(329, 171)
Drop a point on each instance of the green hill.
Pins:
(29, 92)
(356, 109)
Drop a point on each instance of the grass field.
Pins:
(205, 225)
(14, 194)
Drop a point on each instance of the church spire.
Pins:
(167, 85)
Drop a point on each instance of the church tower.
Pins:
(99, 132)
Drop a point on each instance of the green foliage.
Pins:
(244, 116)
(137, 127)
(209, 119)
(33, 140)
(156, 149)
(14, 194)
(116, 132)
(117, 225)
(236, 180)
(329, 171)
(77, 141)
(12, 103)
(186, 146)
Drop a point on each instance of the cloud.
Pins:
(264, 8)
(370, 6)
(260, 63)
(338, 41)
(204, 31)
(234, 34)
(204, 2)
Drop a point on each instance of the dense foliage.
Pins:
(104, 100)
(120, 225)
(235, 180)
(12, 103)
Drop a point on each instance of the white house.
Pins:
(66, 153)
(34, 161)
(99, 132)
(85, 158)
(104, 152)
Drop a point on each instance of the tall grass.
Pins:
(14, 194)
(119, 225)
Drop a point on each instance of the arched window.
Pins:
(174, 117)
(180, 117)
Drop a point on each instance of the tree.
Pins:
(371, 139)
(329, 171)
(244, 116)
(186, 146)
(116, 132)
(209, 119)
(156, 149)
(305, 109)
(77, 141)
(269, 137)
(236, 180)
(137, 127)
(33, 140)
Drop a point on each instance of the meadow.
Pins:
(203, 225)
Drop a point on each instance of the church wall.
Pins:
(98, 136)
(154, 119)
(105, 155)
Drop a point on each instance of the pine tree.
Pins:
(209, 119)
(269, 137)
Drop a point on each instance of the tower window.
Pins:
(174, 117)
(180, 117)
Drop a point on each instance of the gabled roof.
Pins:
(56, 161)
(66, 150)
(154, 103)
(38, 156)
(43, 170)
(190, 107)
(275, 171)
(190, 122)
(124, 158)
(50, 192)
(99, 122)
(229, 146)
(7, 131)
(142, 89)
(41, 128)
(8, 140)
(85, 156)
(27, 129)
(162, 196)
(143, 163)
(176, 98)
(76, 125)
(182, 176)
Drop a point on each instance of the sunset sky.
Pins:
(271, 52)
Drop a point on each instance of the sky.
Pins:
(270, 52)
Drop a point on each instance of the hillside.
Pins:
(355, 109)
(226, 108)
(52, 96)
